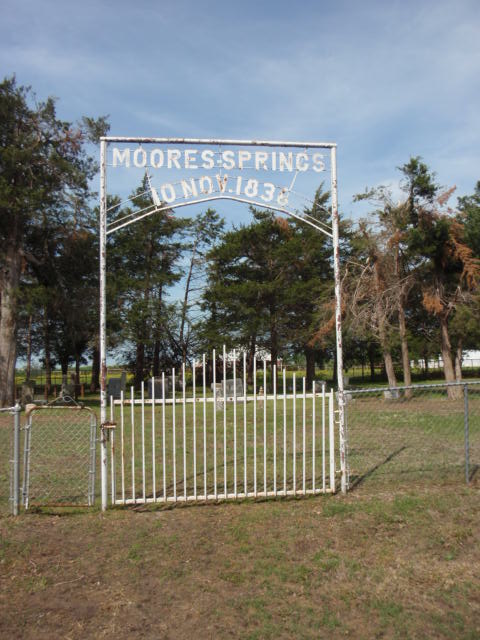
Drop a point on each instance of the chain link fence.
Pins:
(10, 444)
(395, 437)
(6, 459)
(59, 456)
(404, 434)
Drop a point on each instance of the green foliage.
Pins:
(45, 171)
(419, 185)
(469, 215)
(143, 263)
(268, 282)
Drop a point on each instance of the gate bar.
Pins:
(103, 320)
(245, 487)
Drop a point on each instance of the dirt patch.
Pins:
(400, 564)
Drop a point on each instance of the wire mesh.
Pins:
(59, 466)
(411, 433)
(6, 460)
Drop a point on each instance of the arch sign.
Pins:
(179, 172)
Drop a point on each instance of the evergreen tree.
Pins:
(44, 167)
(143, 263)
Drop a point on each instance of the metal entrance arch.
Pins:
(140, 160)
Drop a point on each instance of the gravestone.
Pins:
(168, 386)
(391, 394)
(218, 395)
(27, 392)
(158, 387)
(68, 388)
(230, 388)
(115, 386)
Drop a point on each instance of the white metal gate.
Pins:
(244, 171)
(186, 443)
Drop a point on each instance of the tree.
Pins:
(464, 327)
(204, 230)
(248, 279)
(419, 185)
(267, 283)
(448, 273)
(44, 166)
(371, 293)
(245, 285)
(310, 292)
(144, 258)
(395, 222)
(469, 216)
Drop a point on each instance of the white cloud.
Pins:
(385, 80)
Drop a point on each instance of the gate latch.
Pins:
(107, 428)
(108, 425)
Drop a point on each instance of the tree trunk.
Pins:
(46, 348)
(334, 372)
(273, 343)
(425, 356)
(250, 356)
(273, 367)
(28, 370)
(387, 356)
(158, 332)
(140, 348)
(389, 368)
(156, 359)
(183, 315)
(95, 377)
(371, 360)
(407, 374)
(139, 364)
(77, 368)
(10, 280)
(458, 361)
(310, 365)
(448, 368)
(77, 375)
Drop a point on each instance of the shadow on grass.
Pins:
(360, 479)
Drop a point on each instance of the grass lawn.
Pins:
(397, 564)
(398, 557)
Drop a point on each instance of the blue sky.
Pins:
(385, 80)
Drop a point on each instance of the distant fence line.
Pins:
(356, 372)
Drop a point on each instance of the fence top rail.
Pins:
(30, 408)
(10, 409)
(437, 385)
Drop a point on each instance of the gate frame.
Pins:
(30, 409)
(104, 141)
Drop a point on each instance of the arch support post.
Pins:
(338, 322)
(103, 322)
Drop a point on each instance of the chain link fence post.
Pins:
(467, 434)
(16, 459)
